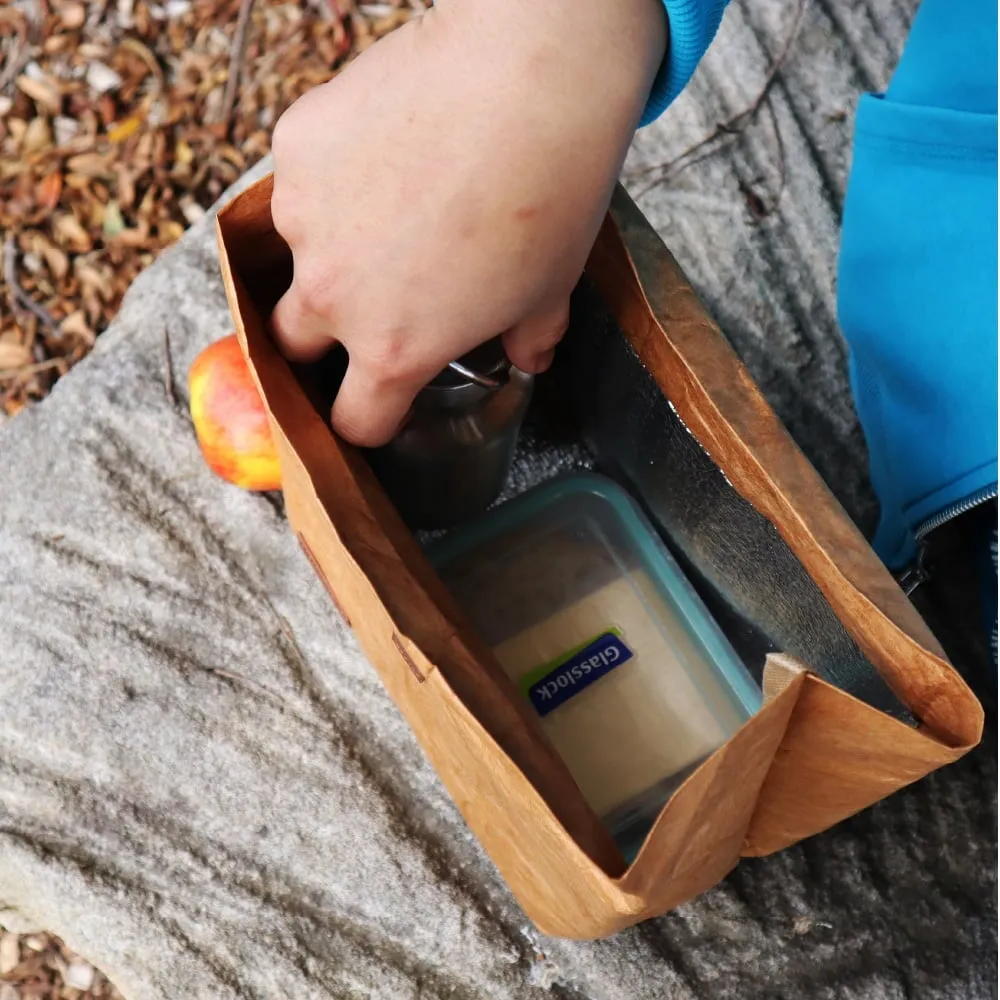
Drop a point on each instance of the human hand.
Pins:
(448, 186)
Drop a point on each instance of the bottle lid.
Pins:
(486, 366)
(469, 380)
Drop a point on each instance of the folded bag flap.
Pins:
(837, 756)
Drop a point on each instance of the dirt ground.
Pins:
(121, 121)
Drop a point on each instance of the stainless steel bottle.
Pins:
(452, 456)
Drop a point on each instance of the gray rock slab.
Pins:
(205, 790)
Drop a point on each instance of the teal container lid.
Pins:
(636, 542)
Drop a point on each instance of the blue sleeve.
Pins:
(692, 26)
(917, 280)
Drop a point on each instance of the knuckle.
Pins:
(289, 313)
(549, 336)
(389, 360)
(283, 213)
(356, 431)
(294, 132)
(283, 138)
(315, 288)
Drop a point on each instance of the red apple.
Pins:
(230, 419)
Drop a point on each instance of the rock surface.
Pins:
(203, 787)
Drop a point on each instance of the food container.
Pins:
(590, 615)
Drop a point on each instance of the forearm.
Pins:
(591, 61)
(447, 187)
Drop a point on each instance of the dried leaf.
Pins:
(43, 91)
(102, 78)
(192, 211)
(75, 325)
(170, 231)
(93, 50)
(57, 261)
(37, 136)
(107, 111)
(10, 949)
(48, 190)
(79, 975)
(69, 233)
(113, 222)
(232, 155)
(183, 153)
(65, 129)
(133, 45)
(125, 186)
(56, 43)
(120, 131)
(72, 15)
(32, 263)
(137, 237)
(90, 165)
(12, 356)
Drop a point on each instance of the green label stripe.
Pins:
(530, 679)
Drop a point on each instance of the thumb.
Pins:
(531, 344)
(369, 411)
(299, 333)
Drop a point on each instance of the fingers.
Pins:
(369, 411)
(300, 334)
(371, 404)
(532, 343)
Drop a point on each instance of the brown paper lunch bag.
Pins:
(810, 757)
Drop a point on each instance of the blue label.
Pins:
(579, 671)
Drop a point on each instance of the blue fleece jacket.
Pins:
(917, 284)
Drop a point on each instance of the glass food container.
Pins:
(591, 616)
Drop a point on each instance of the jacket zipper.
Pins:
(916, 573)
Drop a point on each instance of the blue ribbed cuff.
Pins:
(692, 26)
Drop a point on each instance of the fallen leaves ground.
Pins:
(121, 122)
(40, 966)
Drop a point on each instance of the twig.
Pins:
(731, 128)
(286, 631)
(232, 675)
(705, 154)
(10, 269)
(782, 159)
(18, 55)
(44, 316)
(759, 208)
(19, 298)
(168, 368)
(32, 369)
(237, 54)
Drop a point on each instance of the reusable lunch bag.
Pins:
(859, 699)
